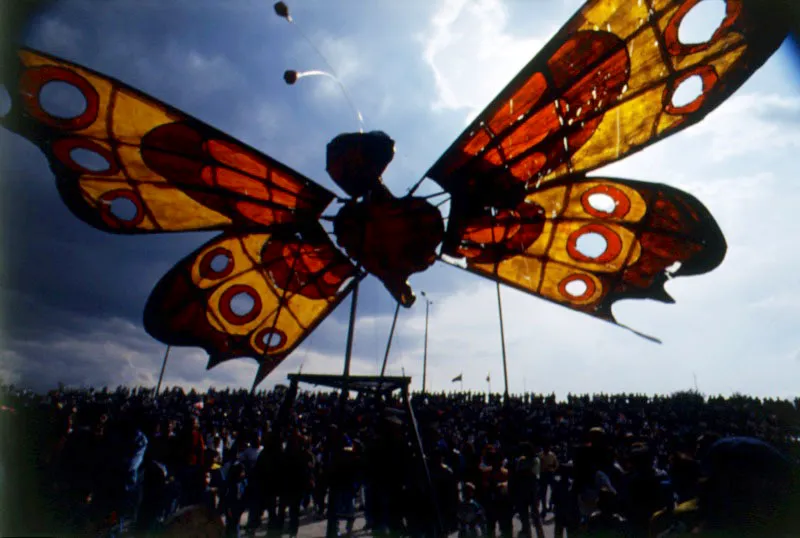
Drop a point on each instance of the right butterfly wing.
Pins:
(587, 243)
(152, 168)
(252, 295)
(600, 90)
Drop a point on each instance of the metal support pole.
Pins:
(425, 352)
(502, 342)
(163, 367)
(389, 343)
(349, 351)
(388, 347)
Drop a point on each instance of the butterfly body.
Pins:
(415, 226)
(355, 161)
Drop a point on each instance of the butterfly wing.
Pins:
(603, 88)
(588, 243)
(128, 163)
(250, 294)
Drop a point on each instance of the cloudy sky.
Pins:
(73, 296)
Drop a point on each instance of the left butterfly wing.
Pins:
(603, 88)
(588, 243)
(250, 294)
(128, 163)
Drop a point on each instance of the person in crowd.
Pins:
(471, 515)
(549, 467)
(646, 491)
(298, 472)
(232, 503)
(524, 489)
(606, 522)
(445, 487)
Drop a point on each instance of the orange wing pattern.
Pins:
(158, 169)
(636, 232)
(250, 295)
(601, 89)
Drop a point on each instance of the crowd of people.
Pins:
(128, 462)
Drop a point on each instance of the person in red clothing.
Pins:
(198, 446)
(194, 461)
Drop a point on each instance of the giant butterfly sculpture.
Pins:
(520, 197)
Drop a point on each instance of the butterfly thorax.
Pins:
(389, 237)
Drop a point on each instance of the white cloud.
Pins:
(471, 54)
(751, 124)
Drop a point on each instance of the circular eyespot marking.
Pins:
(702, 21)
(577, 287)
(271, 339)
(85, 156)
(124, 209)
(594, 243)
(59, 97)
(5, 101)
(591, 245)
(220, 263)
(121, 208)
(216, 263)
(687, 92)
(89, 160)
(240, 304)
(602, 203)
(606, 201)
(62, 100)
(696, 25)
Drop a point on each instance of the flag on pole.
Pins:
(457, 378)
(489, 378)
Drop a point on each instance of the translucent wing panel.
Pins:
(128, 163)
(585, 244)
(252, 295)
(604, 87)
